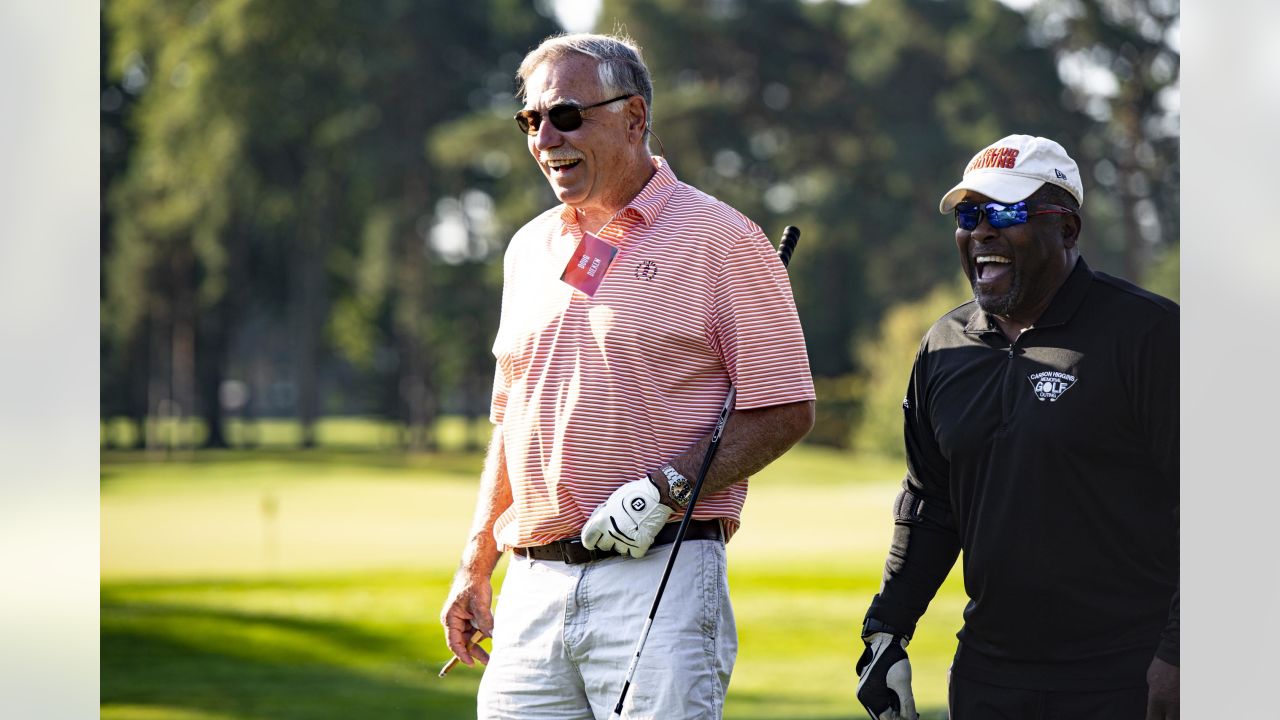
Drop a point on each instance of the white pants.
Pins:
(564, 636)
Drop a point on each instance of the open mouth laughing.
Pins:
(991, 267)
(562, 164)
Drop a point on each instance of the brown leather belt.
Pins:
(572, 552)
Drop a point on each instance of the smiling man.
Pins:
(627, 312)
(1041, 428)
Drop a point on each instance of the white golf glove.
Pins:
(628, 521)
(884, 678)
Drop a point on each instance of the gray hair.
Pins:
(621, 69)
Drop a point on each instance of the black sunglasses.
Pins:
(970, 214)
(564, 117)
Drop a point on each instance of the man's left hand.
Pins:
(628, 521)
(1162, 691)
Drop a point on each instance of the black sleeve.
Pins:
(1156, 406)
(925, 542)
(1168, 648)
(1155, 380)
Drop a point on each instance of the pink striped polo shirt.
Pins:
(593, 391)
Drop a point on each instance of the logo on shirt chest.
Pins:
(1051, 384)
(646, 270)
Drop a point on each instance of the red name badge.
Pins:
(588, 264)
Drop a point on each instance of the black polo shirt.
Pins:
(1052, 462)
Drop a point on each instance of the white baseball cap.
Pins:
(1011, 168)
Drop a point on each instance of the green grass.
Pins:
(450, 432)
(273, 584)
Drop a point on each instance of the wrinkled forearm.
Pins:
(751, 440)
(481, 554)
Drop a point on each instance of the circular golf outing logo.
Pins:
(647, 270)
(637, 504)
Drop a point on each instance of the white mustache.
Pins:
(560, 154)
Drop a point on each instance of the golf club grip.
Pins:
(790, 236)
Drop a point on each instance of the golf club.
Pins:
(790, 236)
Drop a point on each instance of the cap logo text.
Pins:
(993, 157)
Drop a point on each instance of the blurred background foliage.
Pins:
(305, 205)
(304, 211)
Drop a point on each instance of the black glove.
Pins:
(884, 678)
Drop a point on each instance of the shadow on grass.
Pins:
(259, 666)
(771, 706)
(349, 647)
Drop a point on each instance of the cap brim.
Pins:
(1001, 187)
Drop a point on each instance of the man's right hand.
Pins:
(884, 678)
(466, 611)
(628, 520)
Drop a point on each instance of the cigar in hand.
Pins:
(475, 636)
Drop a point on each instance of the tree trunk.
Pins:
(158, 382)
(419, 404)
(413, 324)
(212, 371)
(309, 294)
(183, 343)
(139, 374)
(1130, 122)
(306, 344)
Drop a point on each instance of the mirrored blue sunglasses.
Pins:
(969, 214)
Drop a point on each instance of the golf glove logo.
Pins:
(628, 521)
(884, 678)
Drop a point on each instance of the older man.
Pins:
(627, 312)
(1041, 426)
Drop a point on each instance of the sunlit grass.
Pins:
(278, 584)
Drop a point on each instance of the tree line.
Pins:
(305, 204)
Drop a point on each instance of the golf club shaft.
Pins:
(790, 236)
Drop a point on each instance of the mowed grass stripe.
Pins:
(199, 617)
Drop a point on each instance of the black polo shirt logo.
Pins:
(1050, 384)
